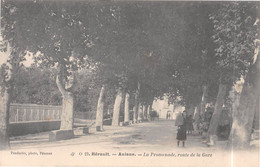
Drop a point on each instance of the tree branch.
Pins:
(59, 84)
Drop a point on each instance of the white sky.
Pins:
(4, 57)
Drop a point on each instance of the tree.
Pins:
(195, 68)
(243, 116)
(100, 110)
(35, 85)
(4, 107)
(60, 36)
(15, 54)
(126, 113)
(53, 33)
(234, 34)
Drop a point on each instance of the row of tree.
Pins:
(192, 51)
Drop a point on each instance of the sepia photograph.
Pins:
(120, 83)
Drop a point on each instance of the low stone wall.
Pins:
(24, 128)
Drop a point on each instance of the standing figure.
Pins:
(189, 124)
(181, 122)
(169, 115)
(200, 125)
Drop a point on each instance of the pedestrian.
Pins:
(189, 124)
(181, 122)
(169, 115)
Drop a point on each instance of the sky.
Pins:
(4, 57)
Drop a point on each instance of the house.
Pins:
(163, 108)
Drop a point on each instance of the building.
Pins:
(163, 108)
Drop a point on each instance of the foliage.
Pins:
(166, 47)
(234, 36)
(35, 85)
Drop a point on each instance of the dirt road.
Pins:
(145, 144)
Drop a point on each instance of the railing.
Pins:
(33, 112)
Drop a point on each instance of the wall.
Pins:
(31, 118)
(24, 128)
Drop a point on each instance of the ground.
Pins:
(144, 144)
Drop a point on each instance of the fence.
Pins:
(33, 112)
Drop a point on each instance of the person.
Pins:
(169, 115)
(181, 122)
(200, 124)
(189, 124)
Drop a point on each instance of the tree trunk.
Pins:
(149, 109)
(172, 111)
(67, 116)
(6, 88)
(243, 117)
(135, 109)
(126, 114)
(4, 118)
(116, 112)
(100, 110)
(196, 113)
(140, 113)
(145, 112)
(212, 131)
(191, 110)
(148, 112)
(256, 121)
(196, 118)
(203, 99)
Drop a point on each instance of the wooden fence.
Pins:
(33, 112)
